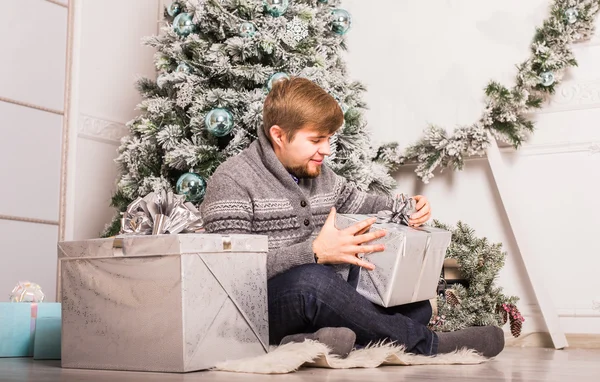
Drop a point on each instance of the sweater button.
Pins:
(306, 222)
(303, 203)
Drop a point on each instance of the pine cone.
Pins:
(451, 297)
(515, 326)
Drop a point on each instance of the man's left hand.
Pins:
(423, 211)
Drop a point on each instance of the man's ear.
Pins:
(277, 135)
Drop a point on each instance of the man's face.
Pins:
(304, 154)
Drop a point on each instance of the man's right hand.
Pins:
(335, 246)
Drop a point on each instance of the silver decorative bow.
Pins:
(402, 208)
(160, 213)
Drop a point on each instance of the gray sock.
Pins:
(487, 340)
(339, 340)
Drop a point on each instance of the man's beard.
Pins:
(303, 172)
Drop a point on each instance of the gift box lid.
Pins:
(397, 228)
(161, 245)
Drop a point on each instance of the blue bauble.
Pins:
(183, 24)
(174, 9)
(323, 1)
(547, 78)
(571, 15)
(247, 29)
(344, 107)
(219, 122)
(342, 20)
(279, 76)
(193, 186)
(183, 68)
(276, 8)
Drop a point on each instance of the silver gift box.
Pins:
(409, 268)
(167, 303)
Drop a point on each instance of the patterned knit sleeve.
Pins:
(351, 200)
(227, 207)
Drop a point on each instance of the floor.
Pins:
(513, 364)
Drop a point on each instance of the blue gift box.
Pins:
(18, 326)
(46, 344)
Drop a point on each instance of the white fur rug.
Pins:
(291, 356)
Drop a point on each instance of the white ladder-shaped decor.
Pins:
(519, 227)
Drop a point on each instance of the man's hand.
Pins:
(423, 211)
(334, 246)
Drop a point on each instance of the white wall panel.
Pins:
(34, 40)
(112, 57)
(30, 149)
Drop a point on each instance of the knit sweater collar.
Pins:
(271, 162)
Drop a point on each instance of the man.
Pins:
(280, 187)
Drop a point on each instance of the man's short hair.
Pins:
(296, 102)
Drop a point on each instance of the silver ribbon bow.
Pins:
(402, 208)
(160, 213)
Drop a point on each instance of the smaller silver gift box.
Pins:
(167, 303)
(409, 268)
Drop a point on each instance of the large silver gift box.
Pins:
(409, 268)
(169, 303)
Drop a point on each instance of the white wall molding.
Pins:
(100, 130)
(69, 138)
(592, 147)
(533, 310)
(30, 105)
(580, 95)
(28, 220)
(572, 321)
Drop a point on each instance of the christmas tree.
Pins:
(217, 60)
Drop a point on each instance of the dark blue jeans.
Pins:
(312, 296)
